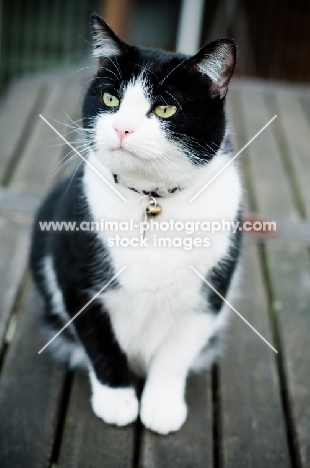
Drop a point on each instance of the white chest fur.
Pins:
(158, 288)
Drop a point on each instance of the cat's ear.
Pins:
(106, 43)
(217, 61)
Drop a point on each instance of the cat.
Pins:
(156, 132)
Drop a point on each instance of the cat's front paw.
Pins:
(115, 405)
(162, 413)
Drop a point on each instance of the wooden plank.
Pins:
(39, 159)
(264, 156)
(288, 271)
(87, 440)
(253, 428)
(260, 85)
(192, 445)
(22, 100)
(253, 425)
(296, 136)
(14, 240)
(30, 391)
(290, 275)
(15, 231)
(16, 201)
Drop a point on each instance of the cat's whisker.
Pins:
(187, 153)
(159, 173)
(207, 150)
(144, 68)
(81, 149)
(84, 148)
(80, 69)
(68, 117)
(63, 165)
(99, 78)
(80, 140)
(82, 37)
(67, 155)
(176, 168)
(195, 141)
(60, 123)
(110, 71)
(164, 100)
(156, 161)
(175, 68)
(117, 67)
(74, 173)
(182, 178)
(179, 105)
(66, 135)
(74, 129)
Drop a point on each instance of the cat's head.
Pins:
(156, 115)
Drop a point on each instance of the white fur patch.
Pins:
(71, 352)
(158, 290)
(53, 288)
(114, 405)
(163, 408)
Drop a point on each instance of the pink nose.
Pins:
(123, 132)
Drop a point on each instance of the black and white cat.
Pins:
(154, 123)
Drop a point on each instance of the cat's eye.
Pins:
(110, 100)
(165, 111)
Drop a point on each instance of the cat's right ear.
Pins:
(106, 43)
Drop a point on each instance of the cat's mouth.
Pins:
(126, 152)
(123, 150)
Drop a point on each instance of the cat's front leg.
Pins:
(163, 406)
(113, 397)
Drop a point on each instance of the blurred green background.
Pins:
(272, 36)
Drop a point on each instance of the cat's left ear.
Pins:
(217, 61)
(106, 42)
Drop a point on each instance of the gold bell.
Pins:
(153, 210)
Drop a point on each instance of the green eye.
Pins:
(165, 111)
(110, 100)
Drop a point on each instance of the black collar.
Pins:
(145, 192)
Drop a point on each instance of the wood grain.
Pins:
(287, 269)
(30, 392)
(87, 440)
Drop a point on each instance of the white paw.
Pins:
(115, 405)
(162, 413)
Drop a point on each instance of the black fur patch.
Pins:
(221, 274)
(82, 266)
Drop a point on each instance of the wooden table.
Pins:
(253, 410)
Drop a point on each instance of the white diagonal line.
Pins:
(231, 160)
(235, 310)
(84, 159)
(83, 308)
